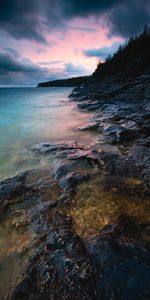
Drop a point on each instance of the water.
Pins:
(29, 116)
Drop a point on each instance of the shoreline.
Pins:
(20, 130)
(75, 252)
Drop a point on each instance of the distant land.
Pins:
(70, 82)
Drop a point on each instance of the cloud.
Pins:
(129, 17)
(76, 51)
(84, 8)
(87, 29)
(53, 62)
(13, 51)
(22, 19)
(23, 72)
(101, 52)
(31, 19)
(75, 70)
(122, 17)
(40, 50)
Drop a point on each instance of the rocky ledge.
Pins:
(58, 262)
(121, 115)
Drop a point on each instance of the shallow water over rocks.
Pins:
(101, 201)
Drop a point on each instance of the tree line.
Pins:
(131, 58)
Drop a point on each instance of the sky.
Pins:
(43, 40)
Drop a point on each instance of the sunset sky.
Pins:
(51, 39)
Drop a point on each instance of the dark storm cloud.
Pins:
(12, 51)
(89, 29)
(101, 52)
(129, 17)
(30, 18)
(22, 19)
(21, 71)
(9, 63)
(84, 8)
(14, 70)
(123, 17)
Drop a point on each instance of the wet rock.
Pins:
(140, 157)
(10, 189)
(108, 265)
(38, 217)
(121, 261)
(76, 168)
(124, 135)
(26, 288)
(122, 106)
(116, 134)
(89, 155)
(89, 105)
(90, 126)
(74, 163)
(62, 270)
(49, 147)
(72, 179)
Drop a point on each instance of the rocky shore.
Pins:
(86, 216)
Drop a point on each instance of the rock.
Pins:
(121, 260)
(89, 105)
(62, 268)
(74, 163)
(90, 155)
(73, 178)
(10, 189)
(49, 147)
(76, 168)
(90, 126)
(114, 134)
(108, 265)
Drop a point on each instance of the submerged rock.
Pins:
(49, 147)
(73, 178)
(10, 189)
(108, 265)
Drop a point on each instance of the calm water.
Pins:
(29, 116)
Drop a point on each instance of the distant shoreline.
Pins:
(69, 82)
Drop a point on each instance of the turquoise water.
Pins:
(29, 116)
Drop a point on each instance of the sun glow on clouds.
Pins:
(63, 38)
(62, 57)
(69, 45)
